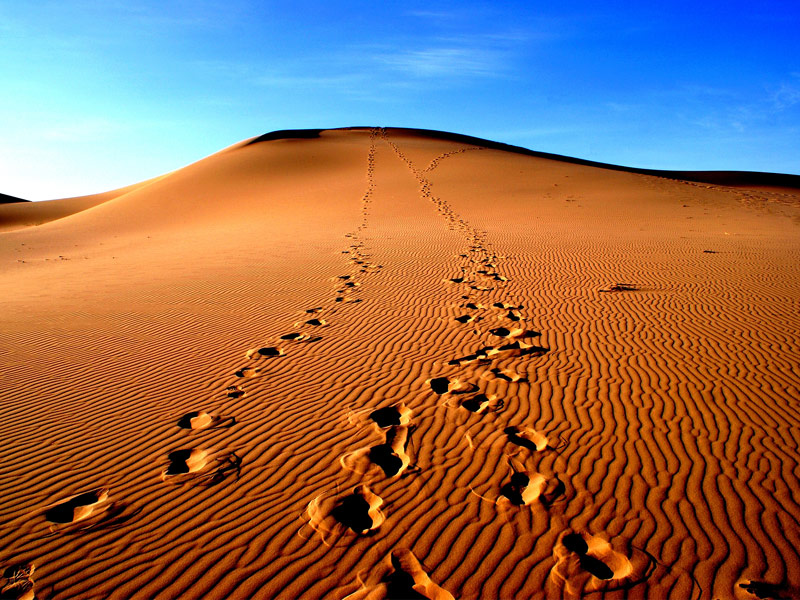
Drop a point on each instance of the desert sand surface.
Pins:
(386, 363)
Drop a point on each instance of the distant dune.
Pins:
(398, 363)
(6, 199)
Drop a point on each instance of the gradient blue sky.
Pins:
(97, 94)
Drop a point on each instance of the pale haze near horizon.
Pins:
(99, 95)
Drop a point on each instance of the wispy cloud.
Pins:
(787, 94)
(444, 61)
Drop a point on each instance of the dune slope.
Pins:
(373, 363)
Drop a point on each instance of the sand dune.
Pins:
(382, 363)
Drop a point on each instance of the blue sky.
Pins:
(97, 94)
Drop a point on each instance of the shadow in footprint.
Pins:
(391, 456)
(185, 461)
(622, 287)
(509, 376)
(574, 542)
(440, 385)
(513, 490)
(531, 439)
(444, 385)
(77, 508)
(480, 403)
(235, 391)
(202, 420)
(390, 415)
(358, 511)
(769, 591)
(386, 459)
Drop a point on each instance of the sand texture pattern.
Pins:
(382, 363)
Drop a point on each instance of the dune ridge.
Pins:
(615, 418)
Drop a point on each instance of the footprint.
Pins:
(522, 349)
(409, 579)
(397, 414)
(769, 591)
(444, 385)
(391, 456)
(293, 336)
(182, 462)
(191, 462)
(314, 310)
(506, 306)
(78, 507)
(19, 583)
(517, 332)
(247, 372)
(235, 391)
(587, 563)
(202, 420)
(481, 402)
(524, 488)
(597, 557)
(483, 354)
(270, 352)
(465, 318)
(360, 510)
(509, 376)
(529, 439)
(622, 287)
(521, 490)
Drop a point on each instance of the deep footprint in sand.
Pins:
(19, 584)
(524, 488)
(191, 464)
(182, 462)
(445, 385)
(522, 349)
(409, 580)
(78, 507)
(481, 403)
(392, 456)
(235, 391)
(531, 439)
(293, 336)
(360, 511)
(515, 332)
(202, 420)
(507, 375)
(507, 306)
(481, 356)
(247, 372)
(397, 414)
(586, 563)
(266, 352)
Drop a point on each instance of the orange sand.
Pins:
(380, 363)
